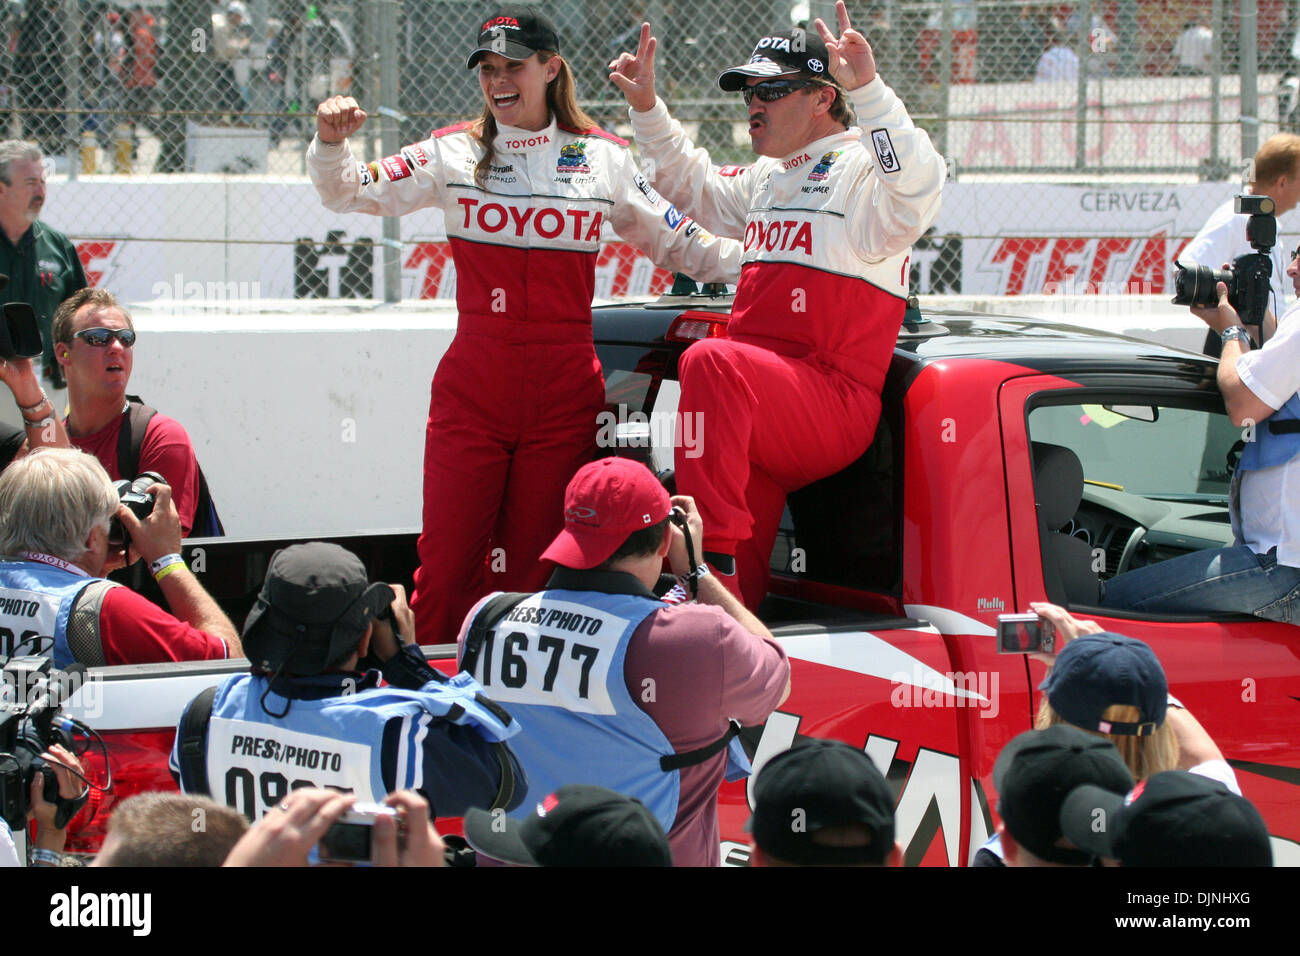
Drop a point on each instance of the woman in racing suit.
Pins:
(525, 190)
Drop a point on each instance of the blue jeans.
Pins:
(1221, 580)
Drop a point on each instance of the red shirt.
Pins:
(166, 449)
(707, 669)
(134, 630)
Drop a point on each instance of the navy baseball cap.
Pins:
(1097, 671)
(798, 52)
(1174, 818)
(516, 31)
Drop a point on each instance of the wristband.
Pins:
(163, 572)
(1238, 333)
(42, 423)
(30, 409)
(701, 571)
(164, 561)
(47, 857)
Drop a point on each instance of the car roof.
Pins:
(1045, 346)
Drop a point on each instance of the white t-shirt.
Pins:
(1268, 515)
(1218, 770)
(1058, 63)
(8, 852)
(1223, 238)
(1193, 48)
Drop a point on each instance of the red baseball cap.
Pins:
(605, 502)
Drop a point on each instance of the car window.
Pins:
(1156, 476)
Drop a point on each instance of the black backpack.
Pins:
(135, 420)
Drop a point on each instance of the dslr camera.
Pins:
(136, 496)
(1249, 278)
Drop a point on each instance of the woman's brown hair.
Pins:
(1143, 756)
(561, 101)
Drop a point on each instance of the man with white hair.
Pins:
(57, 508)
(41, 263)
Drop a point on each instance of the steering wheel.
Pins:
(1135, 539)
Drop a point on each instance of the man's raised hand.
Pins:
(635, 75)
(852, 62)
(338, 118)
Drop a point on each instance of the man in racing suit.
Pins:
(828, 216)
(514, 401)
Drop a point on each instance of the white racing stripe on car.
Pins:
(864, 653)
(949, 621)
(148, 703)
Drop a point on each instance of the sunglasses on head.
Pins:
(101, 337)
(771, 90)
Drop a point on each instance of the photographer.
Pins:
(1260, 573)
(57, 507)
(621, 689)
(1276, 174)
(312, 710)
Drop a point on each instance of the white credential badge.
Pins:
(253, 766)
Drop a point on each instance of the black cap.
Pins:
(1038, 770)
(578, 825)
(515, 31)
(817, 784)
(313, 607)
(781, 54)
(1173, 818)
(1097, 671)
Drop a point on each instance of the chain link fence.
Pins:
(182, 125)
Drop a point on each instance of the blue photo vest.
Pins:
(555, 661)
(1273, 448)
(253, 759)
(36, 600)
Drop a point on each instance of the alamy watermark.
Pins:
(636, 429)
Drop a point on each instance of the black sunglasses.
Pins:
(101, 337)
(769, 91)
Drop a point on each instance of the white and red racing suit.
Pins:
(793, 394)
(512, 412)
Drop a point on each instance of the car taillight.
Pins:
(139, 762)
(693, 326)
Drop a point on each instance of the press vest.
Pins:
(254, 759)
(1271, 447)
(36, 600)
(556, 663)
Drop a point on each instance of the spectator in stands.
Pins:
(139, 73)
(1274, 173)
(578, 825)
(1193, 48)
(316, 630)
(290, 836)
(170, 829)
(94, 343)
(40, 74)
(823, 803)
(1059, 61)
(1171, 819)
(231, 36)
(56, 510)
(42, 265)
(1033, 776)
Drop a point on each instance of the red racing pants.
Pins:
(766, 424)
(509, 424)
